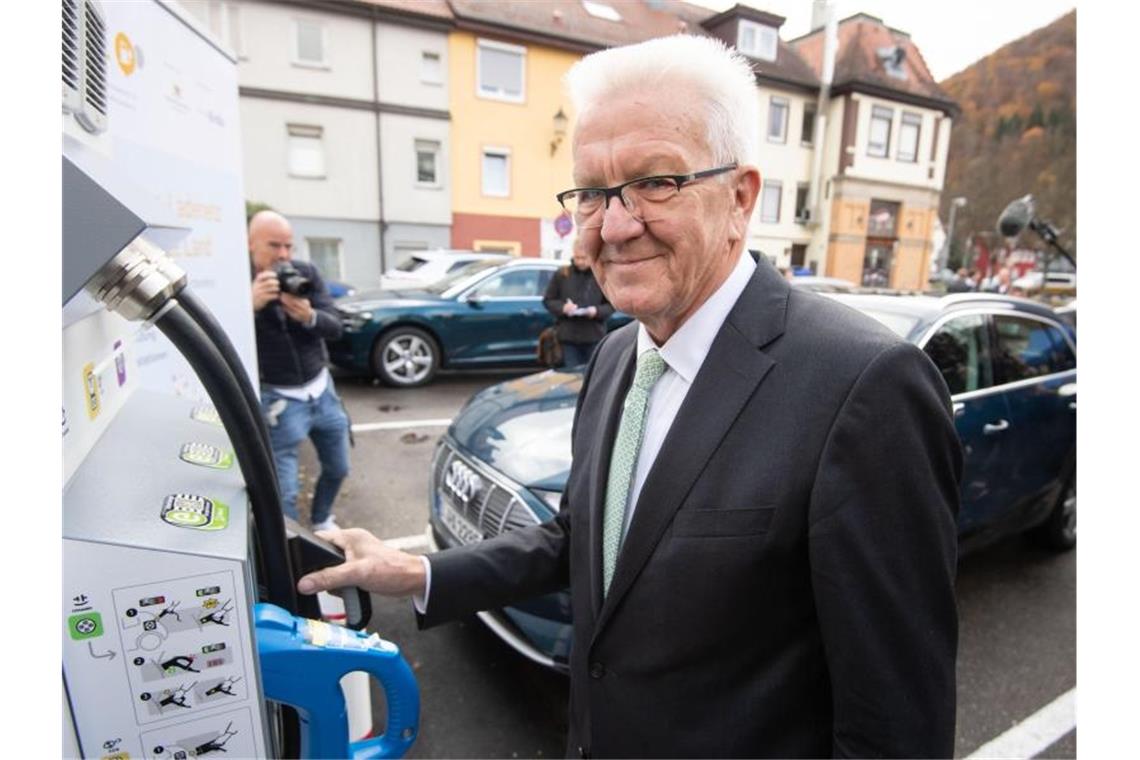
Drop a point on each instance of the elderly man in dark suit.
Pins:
(759, 525)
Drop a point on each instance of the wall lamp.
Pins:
(560, 124)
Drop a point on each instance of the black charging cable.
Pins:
(247, 433)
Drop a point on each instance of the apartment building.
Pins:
(345, 123)
(511, 118)
(386, 126)
(884, 157)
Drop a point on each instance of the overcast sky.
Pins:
(951, 34)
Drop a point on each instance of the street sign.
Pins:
(563, 225)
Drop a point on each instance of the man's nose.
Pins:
(618, 224)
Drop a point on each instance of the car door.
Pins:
(960, 347)
(1037, 367)
(503, 318)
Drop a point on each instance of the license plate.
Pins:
(458, 525)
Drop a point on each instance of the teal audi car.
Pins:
(1009, 364)
(487, 315)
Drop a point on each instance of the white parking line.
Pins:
(1035, 733)
(367, 427)
(408, 543)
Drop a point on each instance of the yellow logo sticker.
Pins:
(125, 54)
(91, 388)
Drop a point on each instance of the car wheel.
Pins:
(1059, 531)
(405, 357)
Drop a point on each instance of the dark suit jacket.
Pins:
(786, 587)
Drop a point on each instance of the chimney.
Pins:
(818, 14)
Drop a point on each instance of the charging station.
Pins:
(183, 636)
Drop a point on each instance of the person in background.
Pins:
(758, 526)
(1000, 282)
(579, 306)
(961, 282)
(298, 398)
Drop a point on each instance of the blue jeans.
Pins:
(576, 354)
(323, 421)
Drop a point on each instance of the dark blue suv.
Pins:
(1011, 368)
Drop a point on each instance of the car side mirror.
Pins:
(475, 301)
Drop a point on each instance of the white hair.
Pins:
(723, 78)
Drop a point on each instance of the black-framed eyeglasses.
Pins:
(587, 204)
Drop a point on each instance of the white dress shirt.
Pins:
(684, 353)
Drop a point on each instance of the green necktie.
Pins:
(631, 429)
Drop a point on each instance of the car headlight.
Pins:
(356, 320)
(553, 499)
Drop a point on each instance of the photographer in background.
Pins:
(293, 315)
(579, 307)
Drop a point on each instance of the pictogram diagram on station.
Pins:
(225, 735)
(182, 645)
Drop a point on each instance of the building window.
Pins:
(500, 71)
(807, 129)
(306, 151)
(770, 201)
(496, 172)
(880, 138)
(883, 220)
(778, 120)
(310, 47)
(224, 20)
(909, 131)
(324, 254)
(757, 40)
(431, 67)
(427, 162)
(801, 202)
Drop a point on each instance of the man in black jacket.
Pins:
(298, 398)
(580, 308)
(758, 527)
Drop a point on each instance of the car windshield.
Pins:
(460, 276)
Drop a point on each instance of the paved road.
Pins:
(1017, 607)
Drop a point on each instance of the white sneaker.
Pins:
(329, 523)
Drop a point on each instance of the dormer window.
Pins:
(601, 10)
(757, 40)
(892, 59)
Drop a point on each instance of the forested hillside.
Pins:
(1017, 133)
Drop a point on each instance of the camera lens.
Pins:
(292, 281)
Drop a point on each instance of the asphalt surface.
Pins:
(1017, 607)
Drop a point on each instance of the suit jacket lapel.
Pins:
(729, 376)
(609, 414)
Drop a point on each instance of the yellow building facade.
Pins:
(507, 159)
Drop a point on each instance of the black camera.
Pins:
(292, 281)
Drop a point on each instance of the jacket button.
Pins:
(597, 670)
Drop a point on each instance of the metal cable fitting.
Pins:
(137, 281)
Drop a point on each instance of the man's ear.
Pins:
(745, 191)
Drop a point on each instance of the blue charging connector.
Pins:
(302, 662)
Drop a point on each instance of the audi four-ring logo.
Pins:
(462, 481)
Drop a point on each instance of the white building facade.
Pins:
(345, 125)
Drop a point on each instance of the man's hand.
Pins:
(266, 289)
(297, 308)
(368, 564)
(568, 307)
